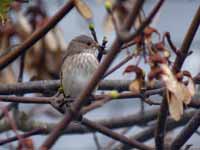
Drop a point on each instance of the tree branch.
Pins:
(114, 135)
(149, 132)
(187, 41)
(187, 132)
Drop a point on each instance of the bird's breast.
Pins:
(77, 70)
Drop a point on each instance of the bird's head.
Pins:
(82, 44)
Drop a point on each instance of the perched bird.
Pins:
(79, 64)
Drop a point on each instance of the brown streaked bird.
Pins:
(79, 64)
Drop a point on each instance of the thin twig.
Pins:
(112, 142)
(114, 135)
(171, 44)
(161, 125)
(124, 61)
(96, 140)
(129, 37)
(102, 49)
(149, 132)
(187, 41)
(25, 135)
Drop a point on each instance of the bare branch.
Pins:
(187, 132)
(187, 41)
(149, 132)
(114, 135)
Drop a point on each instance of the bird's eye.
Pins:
(89, 43)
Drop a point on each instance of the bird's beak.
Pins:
(99, 47)
(96, 45)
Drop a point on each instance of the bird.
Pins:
(79, 64)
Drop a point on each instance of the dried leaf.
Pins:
(178, 92)
(138, 39)
(129, 69)
(151, 83)
(156, 58)
(27, 144)
(191, 87)
(175, 106)
(83, 9)
(160, 46)
(189, 91)
(148, 31)
(174, 93)
(168, 78)
(175, 87)
(183, 93)
(154, 73)
(136, 69)
(135, 86)
(166, 54)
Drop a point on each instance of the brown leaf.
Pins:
(27, 144)
(178, 93)
(155, 72)
(160, 46)
(135, 86)
(138, 39)
(129, 68)
(83, 9)
(134, 68)
(191, 86)
(151, 83)
(166, 54)
(148, 31)
(189, 91)
(175, 106)
(182, 93)
(156, 58)
(171, 83)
